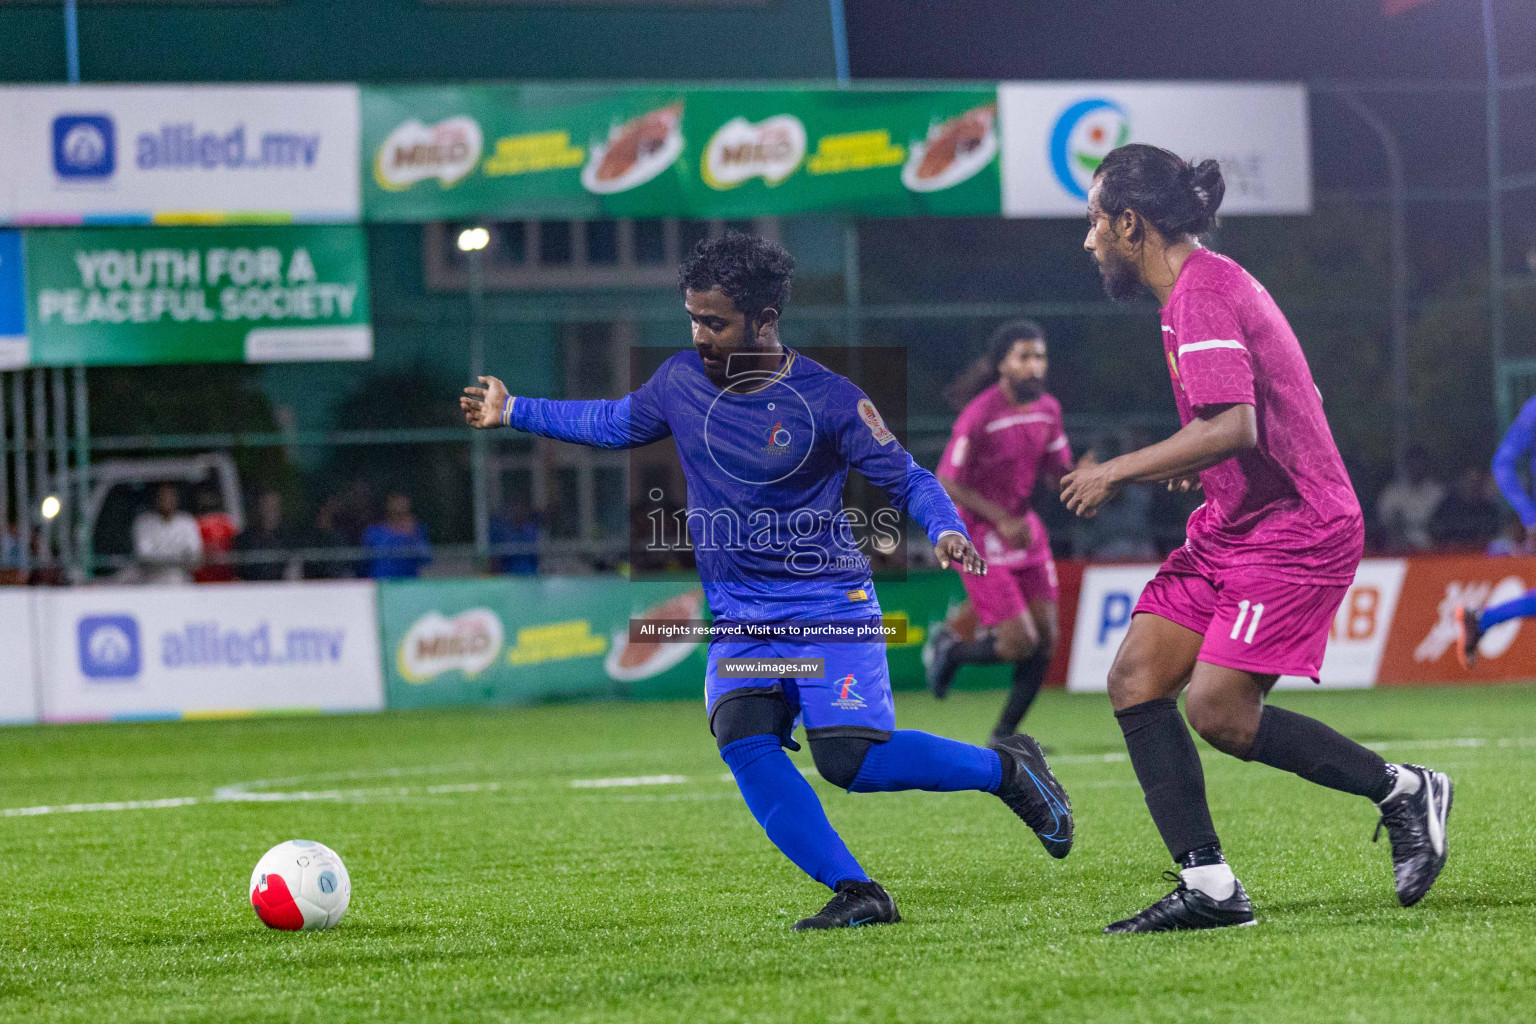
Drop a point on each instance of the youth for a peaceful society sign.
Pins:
(197, 295)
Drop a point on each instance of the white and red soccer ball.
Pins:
(300, 884)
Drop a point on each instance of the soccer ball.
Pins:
(300, 884)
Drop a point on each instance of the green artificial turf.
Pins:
(486, 887)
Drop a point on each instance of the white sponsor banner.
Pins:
(18, 675)
(1055, 135)
(1358, 637)
(1356, 641)
(1103, 615)
(171, 652)
(215, 153)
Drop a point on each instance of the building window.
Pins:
(531, 255)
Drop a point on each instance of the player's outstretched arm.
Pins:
(1203, 442)
(483, 406)
(628, 422)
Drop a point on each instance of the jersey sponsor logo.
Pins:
(1081, 139)
(415, 152)
(847, 698)
(468, 642)
(871, 417)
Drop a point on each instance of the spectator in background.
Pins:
(324, 534)
(217, 529)
(520, 525)
(10, 555)
(1408, 503)
(268, 533)
(398, 543)
(166, 541)
(1468, 517)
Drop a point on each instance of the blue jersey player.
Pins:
(1519, 444)
(766, 437)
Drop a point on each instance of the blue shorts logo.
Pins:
(1084, 134)
(109, 647)
(84, 146)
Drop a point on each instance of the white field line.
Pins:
(242, 792)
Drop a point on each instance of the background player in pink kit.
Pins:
(1251, 594)
(1006, 437)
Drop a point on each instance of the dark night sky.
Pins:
(1286, 39)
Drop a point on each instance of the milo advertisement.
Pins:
(587, 151)
(510, 640)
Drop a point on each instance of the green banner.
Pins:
(133, 296)
(545, 151)
(517, 640)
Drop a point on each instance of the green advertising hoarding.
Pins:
(544, 151)
(510, 640)
(136, 296)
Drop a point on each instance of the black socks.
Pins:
(1028, 675)
(1168, 768)
(1306, 747)
(975, 652)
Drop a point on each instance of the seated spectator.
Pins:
(1468, 517)
(217, 529)
(520, 525)
(268, 533)
(397, 543)
(1408, 503)
(166, 540)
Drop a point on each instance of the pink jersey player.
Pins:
(1279, 516)
(1253, 591)
(999, 449)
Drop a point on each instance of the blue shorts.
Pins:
(852, 699)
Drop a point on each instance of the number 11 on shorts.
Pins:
(1243, 607)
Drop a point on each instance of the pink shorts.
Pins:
(1004, 594)
(1250, 619)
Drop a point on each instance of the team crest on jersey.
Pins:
(871, 417)
(778, 439)
(847, 698)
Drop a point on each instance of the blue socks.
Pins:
(1522, 607)
(919, 760)
(787, 808)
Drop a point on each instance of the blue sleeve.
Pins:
(629, 422)
(1506, 463)
(869, 446)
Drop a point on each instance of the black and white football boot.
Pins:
(1186, 909)
(1033, 793)
(853, 904)
(1415, 824)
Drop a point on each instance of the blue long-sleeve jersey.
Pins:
(765, 469)
(1520, 440)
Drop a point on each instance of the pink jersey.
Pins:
(1286, 505)
(998, 449)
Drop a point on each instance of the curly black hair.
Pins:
(751, 270)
